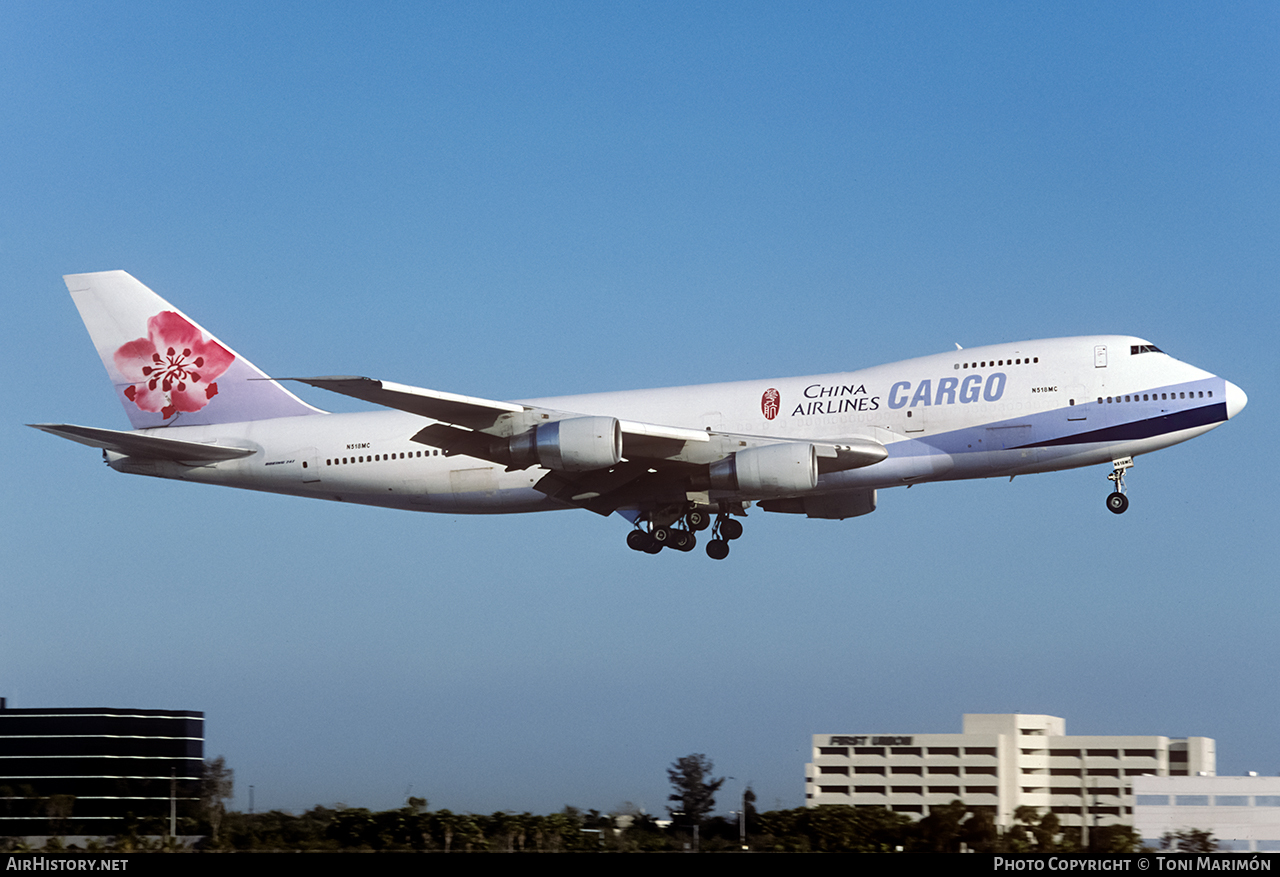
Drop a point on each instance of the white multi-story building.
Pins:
(1000, 762)
(1242, 812)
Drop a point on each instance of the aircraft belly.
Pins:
(908, 463)
(483, 502)
(477, 489)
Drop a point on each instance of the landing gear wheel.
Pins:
(1117, 502)
(654, 548)
(683, 540)
(662, 536)
(639, 540)
(730, 529)
(717, 549)
(698, 520)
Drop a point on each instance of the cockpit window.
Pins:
(1135, 349)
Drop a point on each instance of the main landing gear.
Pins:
(678, 532)
(726, 529)
(1117, 501)
(658, 538)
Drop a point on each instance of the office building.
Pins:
(1000, 762)
(1243, 813)
(86, 771)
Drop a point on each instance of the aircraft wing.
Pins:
(136, 444)
(485, 415)
(465, 411)
(656, 463)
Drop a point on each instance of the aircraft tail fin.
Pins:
(167, 370)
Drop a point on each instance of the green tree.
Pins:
(1015, 840)
(1044, 829)
(854, 829)
(695, 789)
(1189, 840)
(564, 830)
(217, 783)
(940, 830)
(354, 828)
(1113, 839)
(1046, 833)
(642, 834)
(979, 831)
(456, 830)
(58, 808)
(832, 828)
(503, 830)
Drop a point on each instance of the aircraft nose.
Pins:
(1236, 400)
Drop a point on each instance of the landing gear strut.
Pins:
(1117, 502)
(725, 530)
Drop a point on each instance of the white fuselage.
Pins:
(990, 411)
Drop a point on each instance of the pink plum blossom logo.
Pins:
(770, 402)
(174, 368)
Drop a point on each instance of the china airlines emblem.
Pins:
(770, 402)
(173, 369)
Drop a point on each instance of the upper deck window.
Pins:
(1135, 349)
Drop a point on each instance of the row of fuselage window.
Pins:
(377, 458)
(1151, 397)
(999, 362)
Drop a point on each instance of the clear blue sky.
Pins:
(514, 200)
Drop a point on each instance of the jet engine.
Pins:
(578, 444)
(787, 467)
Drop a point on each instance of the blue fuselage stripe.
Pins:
(1139, 429)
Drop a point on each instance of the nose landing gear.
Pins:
(1117, 501)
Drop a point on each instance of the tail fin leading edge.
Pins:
(167, 369)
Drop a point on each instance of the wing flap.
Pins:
(135, 444)
(458, 441)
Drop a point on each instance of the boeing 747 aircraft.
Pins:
(671, 461)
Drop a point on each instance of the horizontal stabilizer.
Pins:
(134, 444)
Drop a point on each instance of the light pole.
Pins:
(742, 814)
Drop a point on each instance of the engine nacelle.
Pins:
(578, 444)
(787, 467)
